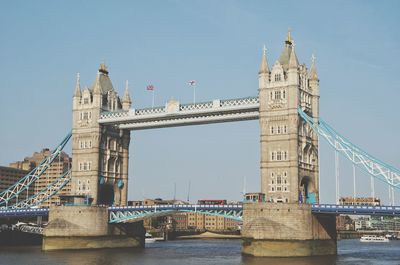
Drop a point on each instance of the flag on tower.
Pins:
(192, 82)
(150, 87)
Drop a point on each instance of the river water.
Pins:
(201, 252)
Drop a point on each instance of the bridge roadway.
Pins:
(233, 211)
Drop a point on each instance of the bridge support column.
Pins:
(286, 230)
(86, 227)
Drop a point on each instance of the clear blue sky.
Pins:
(45, 43)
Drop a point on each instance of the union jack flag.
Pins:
(150, 87)
(192, 82)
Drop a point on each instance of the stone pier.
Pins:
(286, 230)
(86, 227)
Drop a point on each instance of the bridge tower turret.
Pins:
(289, 148)
(100, 153)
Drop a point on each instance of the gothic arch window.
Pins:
(279, 156)
(272, 129)
(283, 94)
(279, 180)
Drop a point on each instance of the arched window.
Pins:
(272, 155)
(279, 156)
(279, 180)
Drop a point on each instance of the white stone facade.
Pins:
(289, 148)
(100, 153)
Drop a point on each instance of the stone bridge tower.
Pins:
(289, 147)
(285, 226)
(100, 153)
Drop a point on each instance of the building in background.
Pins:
(59, 166)
(385, 223)
(360, 201)
(344, 223)
(187, 221)
(9, 176)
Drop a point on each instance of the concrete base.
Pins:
(86, 227)
(58, 243)
(288, 248)
(287, 230)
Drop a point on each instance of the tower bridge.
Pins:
(291, 221)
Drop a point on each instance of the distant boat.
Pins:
(391, 237)
(148, 238)
(373, 238)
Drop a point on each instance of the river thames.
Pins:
(201, 252)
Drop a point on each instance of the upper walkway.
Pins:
(175, 114)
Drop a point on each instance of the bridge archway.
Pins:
(106, 194)
(307, 190)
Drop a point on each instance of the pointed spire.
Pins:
(287, 50)
(313, 71)
(126, 98)
(264, 68)
(78, 92)
(96, 86)
(289, 37)
(293, 62)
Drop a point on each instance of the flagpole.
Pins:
(152, 102)
(194, 94)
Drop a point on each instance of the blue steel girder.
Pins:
(28, 212)
(137, 213)
(128, 214)
(355, 209)
(231, 214)
(45, 193)
(24, 183)
(373, 166)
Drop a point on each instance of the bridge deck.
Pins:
(213, 209)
